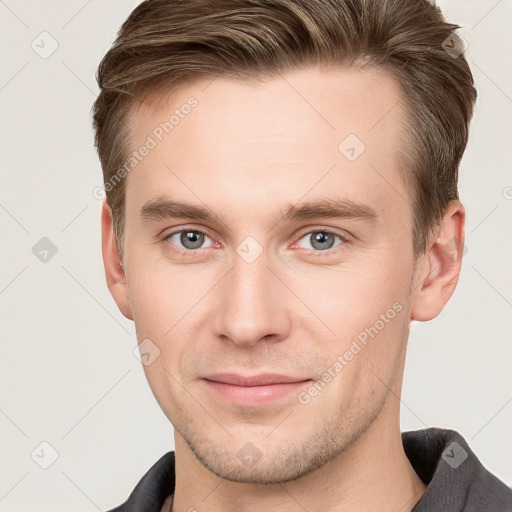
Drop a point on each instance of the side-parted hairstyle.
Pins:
(166, 43)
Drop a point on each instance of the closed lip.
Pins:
(262, 379)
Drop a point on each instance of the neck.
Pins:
(373, 473)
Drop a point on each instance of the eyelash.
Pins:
(317, 253)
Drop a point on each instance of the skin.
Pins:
(247, 152)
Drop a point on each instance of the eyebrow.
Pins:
(163, 209)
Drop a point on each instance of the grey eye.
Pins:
(320, 240)
(188, 238)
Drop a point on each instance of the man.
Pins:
(281, 182)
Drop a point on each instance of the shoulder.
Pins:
(455, 477)
(153, 488)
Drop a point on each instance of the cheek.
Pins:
(165, 388)
(158, 297)
(366, 310)
(350, 297)
(362, 367)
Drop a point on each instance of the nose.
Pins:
(252, 305)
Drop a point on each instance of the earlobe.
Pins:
(442, 262)
(114, 271)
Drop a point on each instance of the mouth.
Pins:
(253, 390)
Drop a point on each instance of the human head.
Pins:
(155, 52)
(248, 148)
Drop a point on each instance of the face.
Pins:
(296, 271)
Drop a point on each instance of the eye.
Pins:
(190, 239)
(320, 240)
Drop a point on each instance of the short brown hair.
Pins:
(166, 43)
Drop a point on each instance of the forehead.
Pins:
(308, 132)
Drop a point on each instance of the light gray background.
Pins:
(68, 375)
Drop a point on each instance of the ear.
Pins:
(440, 266)
(114, 272)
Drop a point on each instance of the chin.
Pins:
(269, 465)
